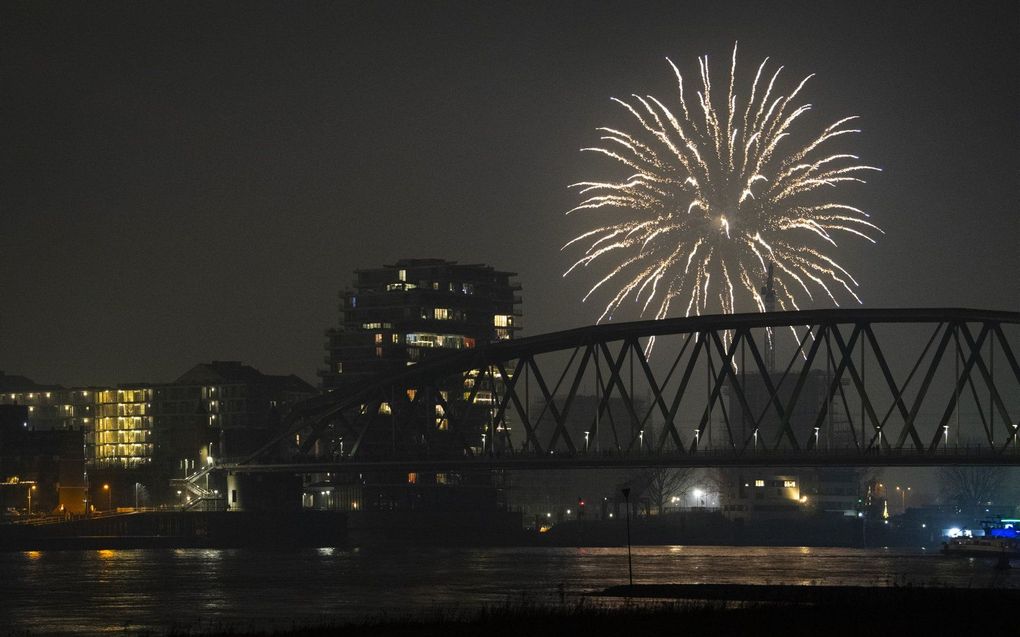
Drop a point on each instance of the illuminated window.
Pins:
(442, 313)
(789, 484)
(378, 339)
(412, 478)
(395, 338)
(759, 483)
(402, 275)
(502, 320)
(435, 285)
(503, 333)
(384, 408)
(468, 288)
(339, 368)
(371, 326)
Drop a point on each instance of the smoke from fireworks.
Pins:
(713, 196)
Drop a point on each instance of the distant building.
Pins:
(122, 435)
(223, 409)
(146, 434)
(403, 313)
(750, 494)
(49, 406)
(39, 469)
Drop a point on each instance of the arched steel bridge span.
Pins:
(857, 387)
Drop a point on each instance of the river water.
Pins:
(102, 592)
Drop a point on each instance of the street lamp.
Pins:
(30, 490)
(698, 493)
(697, 435)
(109, 497)
(630, 567)
(641, 437)
(756, 439)
(586, 441)
(816, 437)
(903, 498)
(179, 500)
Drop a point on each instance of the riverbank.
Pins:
(719, 610)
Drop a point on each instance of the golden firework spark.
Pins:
(712, 196)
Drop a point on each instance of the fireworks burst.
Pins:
(713, 196)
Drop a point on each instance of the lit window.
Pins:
(378, 339)
(435, 285)
(442, 313)
(502, 320)
(339, 368)
(468, 288)
(384, 408)
(371, 326)
(412, 478)
(789, 484)
(759, 483)
(402, 275)
(395, 338)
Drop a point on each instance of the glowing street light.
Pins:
(109, 497)
(586, 440)
(30, 490)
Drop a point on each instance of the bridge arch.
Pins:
(858, 386)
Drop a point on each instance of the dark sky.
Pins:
(194, 181)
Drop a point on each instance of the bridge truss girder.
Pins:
(520, 402)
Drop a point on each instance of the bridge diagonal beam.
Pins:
(668, 429)
(549, 405)
(961, 379)
(726, 369)
(616, 378)
(836, 382)
(862, 391)
(456, 422)
(1007, 351)
(996, 399)
(511, 395)
(897, 392)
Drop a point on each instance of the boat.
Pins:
(1000, 539)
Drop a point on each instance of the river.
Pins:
(99, 592)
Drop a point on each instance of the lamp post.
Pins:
(109, 497)
(630, 567)
(30, 490)
(698, 493)
(136, 496)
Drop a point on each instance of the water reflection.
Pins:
(199, 589)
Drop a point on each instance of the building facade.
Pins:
(403, 313)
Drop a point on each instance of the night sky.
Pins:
(195, 181)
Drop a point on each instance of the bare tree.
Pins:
(967, 486)
(657, 485)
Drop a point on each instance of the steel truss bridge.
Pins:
(859, 387)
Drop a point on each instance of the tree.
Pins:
(969, 486)
(658, 485)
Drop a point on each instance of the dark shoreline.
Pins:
(705, 610)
